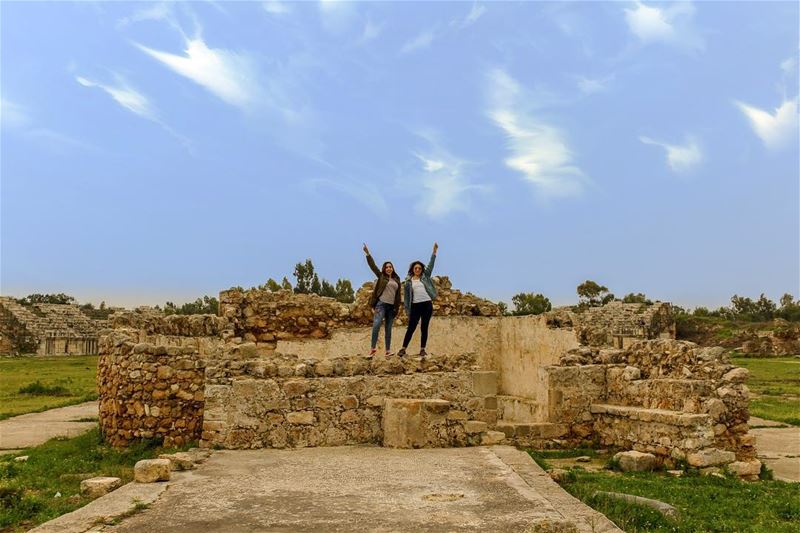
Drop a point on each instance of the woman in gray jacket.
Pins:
(419, 294)
(384, 301)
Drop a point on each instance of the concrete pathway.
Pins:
(33, 429)
(779, 449)
(359, 488)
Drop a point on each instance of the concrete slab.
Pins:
(346, 489)
(779, 449)
(33, 429)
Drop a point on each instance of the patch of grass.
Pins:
(705, 503)
(27, 490)
(34, 384)
(775, 386)
(37, 389)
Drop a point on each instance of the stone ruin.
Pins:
(281, 370)
(47, 329)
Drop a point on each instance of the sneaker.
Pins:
(389, 353)
(423, 353)
(401, 353)
(372, 352)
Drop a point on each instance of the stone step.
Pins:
(642, 414)
(519, 409)
(533, 430)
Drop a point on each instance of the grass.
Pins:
(34, 384)
(27, 490)
(775, 386)
(704, 503)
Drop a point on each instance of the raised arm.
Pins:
(429, 268)
(371, 262)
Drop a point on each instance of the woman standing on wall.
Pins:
(419, 295)
(384, 301)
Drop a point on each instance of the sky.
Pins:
(164, 151)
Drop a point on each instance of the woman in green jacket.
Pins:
(419, 296)
(384, 301)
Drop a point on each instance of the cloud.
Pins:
(337, 16)
(673, 24)
(539, 150)
(158, 11)
(274, 7)
(365, 193)
(135, 102)
(371, 31)
(594, 85)
(443, 179)
(13, 115)
(475, 12)
(777, 129)
(423, 40)
(680, 158)
(125, 96)
(230, 76)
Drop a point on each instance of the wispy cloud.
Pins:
(367, 194)
(672, 24)
(777, 129)
(19, 119)
(423, 40)
(445, 185)
(337, 16)
(229, 75)
(475, 12)
(126, 96)
(371, 31)
(594, 85)
(156, 11)
(681, 158)
(539, 150)
(134, 101)
(274, 7)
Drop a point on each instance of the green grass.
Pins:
(33, 384)
(704, 503)
(775, 386)
(27, 490)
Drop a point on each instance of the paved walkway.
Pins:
(779, 449)
(33, 429)
(359, 488)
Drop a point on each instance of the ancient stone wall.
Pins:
(619, 324)
(149, 391)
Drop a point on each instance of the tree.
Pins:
(701, 311)
(503, 308)
(527, 303)
(37, 298)
(272, 285)
(304, 274)
(207, 305)
(593, 295)
(344, 291)
(786, 300)
(285, 285)
(327, 289)
(637, 298)
(316, 287)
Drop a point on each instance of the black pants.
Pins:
(423, 310)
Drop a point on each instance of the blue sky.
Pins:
(158, 151)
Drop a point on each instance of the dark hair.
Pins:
(383, 268)
(411, 267)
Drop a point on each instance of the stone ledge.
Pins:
(662, 416)
(543, 430)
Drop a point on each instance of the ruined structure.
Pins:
(284, 370)
(47, 329)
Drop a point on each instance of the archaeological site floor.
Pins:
(365, 488)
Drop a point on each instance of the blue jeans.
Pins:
(383, 313)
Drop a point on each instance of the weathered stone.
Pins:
(710, 457)
(474, 426)
(491, 438)
(633, 461)
(179, 460)
(98, 486)
(745, 468)
(151, 470)
(300, 417)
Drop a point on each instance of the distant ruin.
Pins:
(47, 329)
(278, 369)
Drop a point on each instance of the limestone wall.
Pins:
(619, 324)
(149, 391)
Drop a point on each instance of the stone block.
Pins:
(634, 461)
(490, 438)
(178, 461)
(484, 383)
(300, 417)
(411, 423)
(151, 470)
(710, 457)
(98, 486)
(745, 468)
(475, 426)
